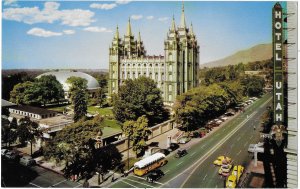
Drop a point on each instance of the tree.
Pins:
(79, 96)
(101, 97)
(28, 131)
(139, 97)
(253, 85)
(75, 145)
(138, 132)
(8, 132)
(80, 105)
(50, 89)
(19, 94)
(195, 107)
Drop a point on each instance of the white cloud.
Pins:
(150, 17)
(42, 33)
(103, 6)
(123, 1)
(50, 14)
(10, 2)
(69, 32)
(163, 19)
(136, 17)
(97, 29)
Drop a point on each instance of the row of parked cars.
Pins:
(10, 155)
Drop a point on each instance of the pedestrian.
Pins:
(86, 184)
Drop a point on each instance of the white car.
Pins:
(27, 161)
(4, 151)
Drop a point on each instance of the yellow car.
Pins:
(225, 169)
(238, 171)
(221, 159)
(231, 182)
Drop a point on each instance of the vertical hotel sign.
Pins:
(278, 64)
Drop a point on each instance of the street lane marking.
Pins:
(77, 186)
(251, 137)
(179, 163)
(145, 179)
(193, 153)
(35, 185)
(139, 182)
(59, 182)
(128, 183)
(204, 177)
(167, 171)
(239, 152)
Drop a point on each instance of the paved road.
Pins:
(16, 175)
(196, 169)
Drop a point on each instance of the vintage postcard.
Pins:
(149, 94)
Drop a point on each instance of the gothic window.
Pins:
(139, 74)
(123, 74)
(163, 76)
(170, 87)
(170, 57)
(156, 64)
(156, 76)
(170, 97)
(144, 65)
(144, 73)
(170, 77)
(170, 68)
(139, 65)
(133, 65)
(150, 65)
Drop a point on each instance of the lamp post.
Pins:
(128, 142)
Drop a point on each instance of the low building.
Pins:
(32, 112)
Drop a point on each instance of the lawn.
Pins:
(112, 123)
(101, 111)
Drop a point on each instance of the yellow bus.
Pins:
(150, 163)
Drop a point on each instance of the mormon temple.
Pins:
(175, 73)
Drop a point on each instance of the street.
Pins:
(16, 175)
(196, 169)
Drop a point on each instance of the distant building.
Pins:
(62, 76)
(175, 73)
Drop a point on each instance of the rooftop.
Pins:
(32, 109)
(5, 103)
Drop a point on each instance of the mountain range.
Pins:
(257, 53)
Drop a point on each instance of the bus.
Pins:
(150, 163)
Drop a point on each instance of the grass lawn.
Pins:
(131, 162)
(112, 124)
(101, 111)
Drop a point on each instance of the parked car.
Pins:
(173, 146)
(238, 171)
(184, 140)
(225, 169)
(12, 155)
(229, 113)
(164, 151)
(180, 153)
(153, 144)
(4, 151)
(231, 182)
(223, 118)
(220, 159)
(155, 175)
(27, 161)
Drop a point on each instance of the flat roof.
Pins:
(32, 109)
(5, 103)
(108, 132)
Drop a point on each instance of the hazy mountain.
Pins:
(256, 53)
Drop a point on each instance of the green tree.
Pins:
(139, 97)
(79, 96)
(195, 107)
(50, 90)
(253, 85)
(28, 131)
(19, 94)
(101, 97)
(138, 133)
(8, 132)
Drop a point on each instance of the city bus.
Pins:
(150, 163)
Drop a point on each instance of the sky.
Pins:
(77, 34)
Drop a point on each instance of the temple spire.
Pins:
(117, 33)
(173, 27)
(139, 37)
(191, 29)
(128, 33)
(182, 21)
